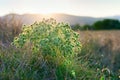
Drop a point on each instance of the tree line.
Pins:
(106, 24)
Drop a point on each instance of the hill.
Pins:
(71, 19)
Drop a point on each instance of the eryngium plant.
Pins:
(56, 42)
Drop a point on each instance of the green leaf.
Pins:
(102, 77)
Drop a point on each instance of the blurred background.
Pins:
(96, 21)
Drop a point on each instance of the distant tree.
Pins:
(87, 27)
(97, 25)
(106, 24)
(79, 27)
(76, 27)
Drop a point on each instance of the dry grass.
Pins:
(106, 43)
(103, 37)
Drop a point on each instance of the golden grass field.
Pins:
(111, 37)
(105, 43)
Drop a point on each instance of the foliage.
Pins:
(87, 27)
(49, 34)
(51, 51)
(106, 24)
(76, 27)
(54, 41)
(20, 64)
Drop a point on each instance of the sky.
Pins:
(93, 8)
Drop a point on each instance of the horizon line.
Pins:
(57, 13)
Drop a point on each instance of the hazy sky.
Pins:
(95, 8)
